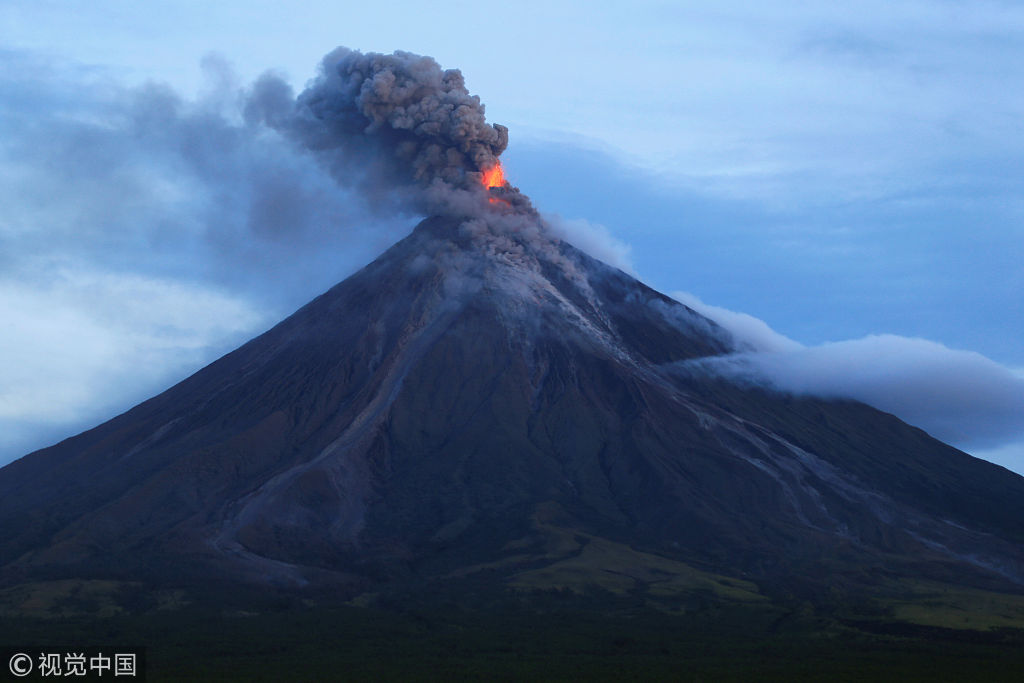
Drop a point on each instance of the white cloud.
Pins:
(749, 332)
(593, 238)
(88, 343)
(960, 397)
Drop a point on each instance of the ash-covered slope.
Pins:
(465, 401)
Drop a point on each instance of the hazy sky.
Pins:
(850, 175)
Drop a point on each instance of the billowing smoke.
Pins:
(399, 129)
(221, 210)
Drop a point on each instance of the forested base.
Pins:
(542, 636)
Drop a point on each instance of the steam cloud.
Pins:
(404, 132)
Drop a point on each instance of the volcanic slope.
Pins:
(479, 402)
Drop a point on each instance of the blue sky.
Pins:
(848, 175)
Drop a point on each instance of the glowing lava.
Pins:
(494, 176)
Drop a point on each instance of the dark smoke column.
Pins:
(396, 127)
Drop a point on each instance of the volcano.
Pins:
(497, 404)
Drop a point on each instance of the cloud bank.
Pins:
(86, 345)
(749, 333)
(960, 397)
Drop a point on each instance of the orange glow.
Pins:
(494, 176)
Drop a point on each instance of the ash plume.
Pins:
(405, 133)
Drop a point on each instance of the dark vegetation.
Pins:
(471, 632)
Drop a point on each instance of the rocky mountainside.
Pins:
(498, 404)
